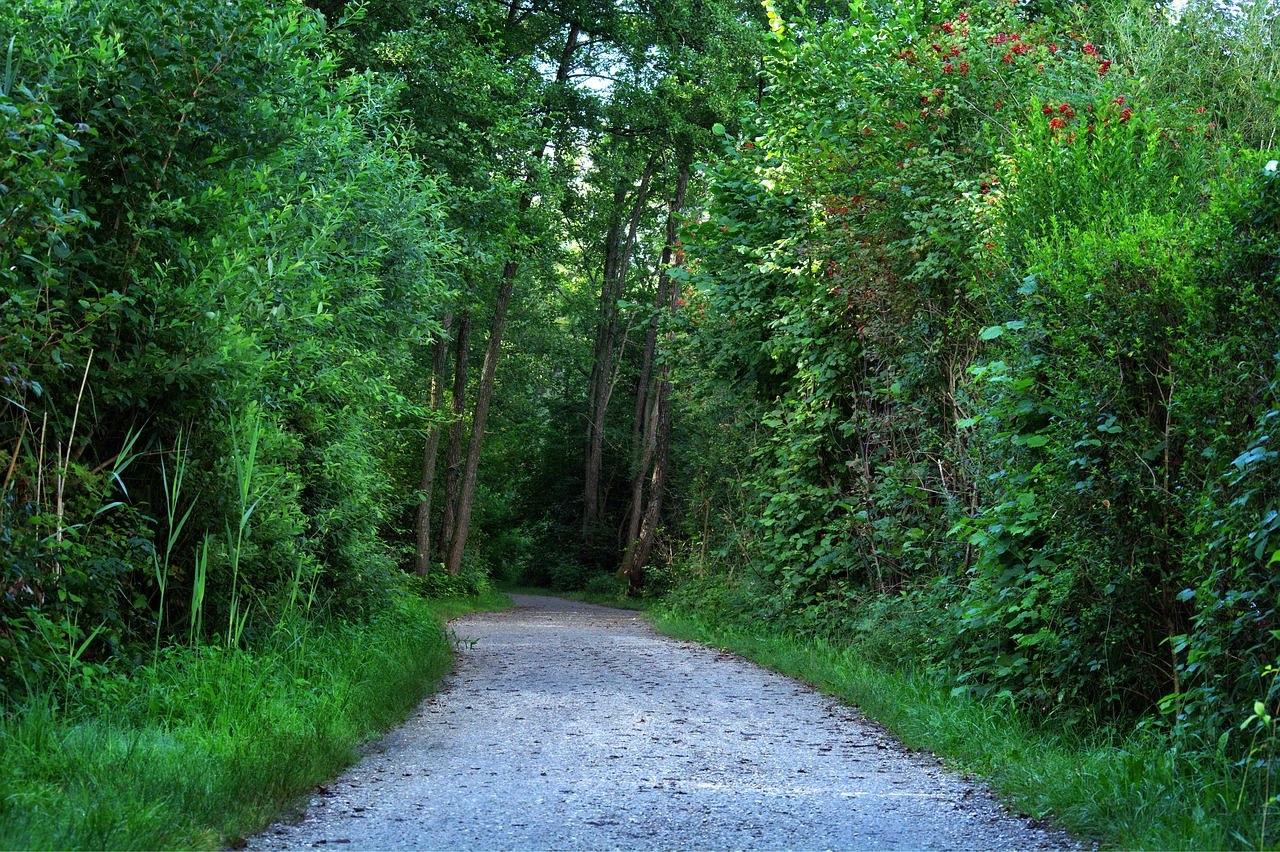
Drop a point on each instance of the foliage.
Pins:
(972, 357)
(206, 744)
(214, 237)
(1002, 308)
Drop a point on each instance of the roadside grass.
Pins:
(1135, 791)
(207, 744)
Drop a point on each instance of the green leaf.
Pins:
(991, 332)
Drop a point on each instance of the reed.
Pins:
(176, 520)
(246, 432)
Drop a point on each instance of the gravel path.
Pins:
(571, 726)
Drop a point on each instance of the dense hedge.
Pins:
(1004, 308)
(218, 268)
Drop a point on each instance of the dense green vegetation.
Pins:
(997, 315)
(210, 744)
(948, 329)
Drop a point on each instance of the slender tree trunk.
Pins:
(422, 526)
(642, 458)
(617, 261)
(453, 453)
(488, 374)
(633, 567)
(641, 435)
(606, 327)
(657, 433)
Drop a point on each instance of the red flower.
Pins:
(999, 104)
(1007, 58)
(1126, 115)
(1055, 123)
(948, 27)
(1104, 67)
(1066, 110)
(1053, 47)
(1047, 110)
(1119, 101)
(955, 50)
(899, 125)
(964, 67)
(1090, 49)
(963, 16)
(937, 48)
(1200, 110)
(946, 68)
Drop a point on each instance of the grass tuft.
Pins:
(210, 744)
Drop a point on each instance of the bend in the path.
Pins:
(572, 726)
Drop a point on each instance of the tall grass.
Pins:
(1135, 790)
(246, 433)
(172, 478)
(209, 743)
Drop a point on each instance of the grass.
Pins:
(210, 744)
(1128, 791)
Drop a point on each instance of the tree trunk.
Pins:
(641, 436)
(657, 433)
(600, 389)
(638, 554)
(422, 527)
(488, 374)
(453, 454)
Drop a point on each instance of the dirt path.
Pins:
(571, 726)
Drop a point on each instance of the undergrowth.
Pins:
(1131, 790)
(209, 744)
